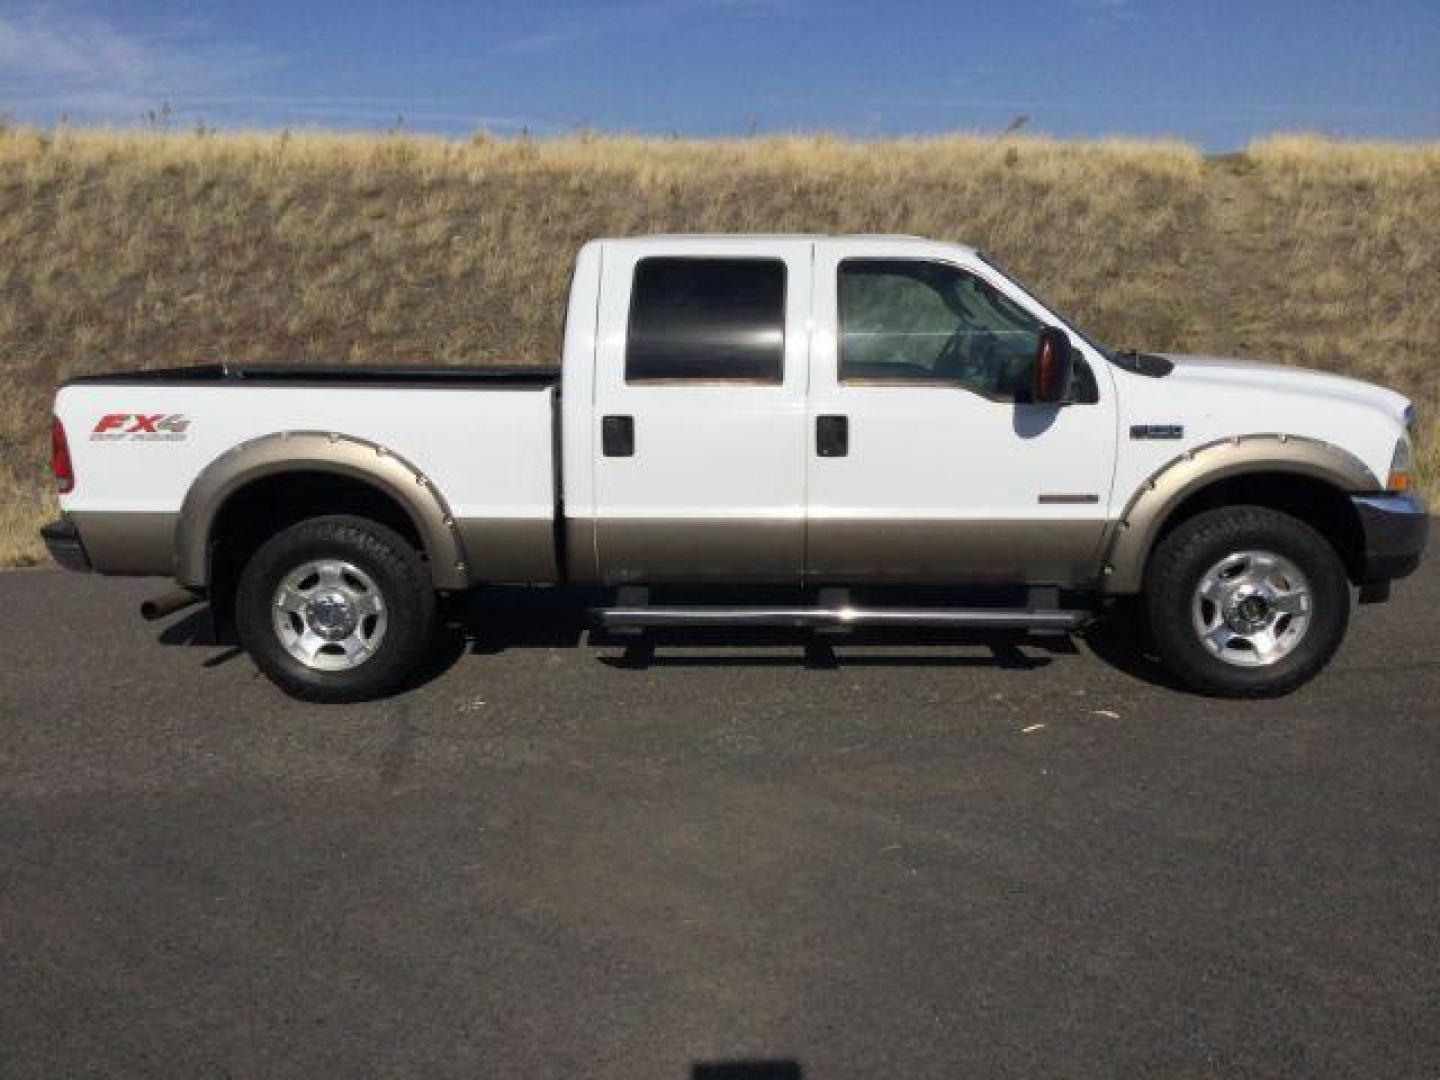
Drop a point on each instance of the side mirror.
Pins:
(1054, 368)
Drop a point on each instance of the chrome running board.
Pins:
(832, 618)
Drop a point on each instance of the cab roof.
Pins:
(691, 239)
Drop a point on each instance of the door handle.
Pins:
(832, 436)
(617, 436)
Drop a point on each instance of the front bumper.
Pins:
(1396, 528)
(62, 540)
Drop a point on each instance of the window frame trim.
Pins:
(711, 381)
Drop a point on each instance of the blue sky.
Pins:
(1215, 72)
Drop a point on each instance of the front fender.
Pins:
(1134, 533)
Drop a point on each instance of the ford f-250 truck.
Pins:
(866, 425)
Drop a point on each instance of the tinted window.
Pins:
(707, 320)
(913, 321)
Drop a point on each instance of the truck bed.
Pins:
(490, 377)
(479, 440)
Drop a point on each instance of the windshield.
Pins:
(990, 261)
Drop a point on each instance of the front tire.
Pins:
(336, 609)
(1246, 602)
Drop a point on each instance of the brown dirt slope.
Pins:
(152, 249)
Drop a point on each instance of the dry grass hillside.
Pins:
(153, 249)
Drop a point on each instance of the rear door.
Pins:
(700, 410)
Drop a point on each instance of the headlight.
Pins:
(1399, 479)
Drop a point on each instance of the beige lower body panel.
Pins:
(745, 550)
(1056, 552)
(931, 552)
(498, 549)
(509, 549)
(580, 563)
(722, 550)
(125, 542)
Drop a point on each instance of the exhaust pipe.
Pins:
(168, 603)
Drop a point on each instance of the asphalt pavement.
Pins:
(742, 859)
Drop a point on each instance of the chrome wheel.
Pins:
(329, 614)
(1252, 608)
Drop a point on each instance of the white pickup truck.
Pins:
(858, 430)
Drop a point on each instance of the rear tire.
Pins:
(336, 609)
(1246, 602)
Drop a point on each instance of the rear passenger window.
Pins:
(707, 320)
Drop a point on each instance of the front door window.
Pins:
(906, 321)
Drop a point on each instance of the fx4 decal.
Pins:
(140, 427)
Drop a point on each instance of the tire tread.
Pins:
(1182, 556)
(398, 568)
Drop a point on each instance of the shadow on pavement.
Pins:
(747, 1070)
(1119, 639)
(500, 620)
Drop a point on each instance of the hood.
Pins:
(1222, 371)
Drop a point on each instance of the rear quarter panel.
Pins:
(488, 452)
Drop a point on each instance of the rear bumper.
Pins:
(1396, 528)
(62, 540)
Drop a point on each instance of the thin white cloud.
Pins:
(52, 62)
(1111, 11)
(545, 40)
(625, 18)
(420, 113)
(35, 46)
(1151, 105)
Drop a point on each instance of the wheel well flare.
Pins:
(266, 484)
(1306, 478)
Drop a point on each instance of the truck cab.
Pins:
(827, 411)
(836, 418)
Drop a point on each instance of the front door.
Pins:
(927, 463)
(700, 412)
